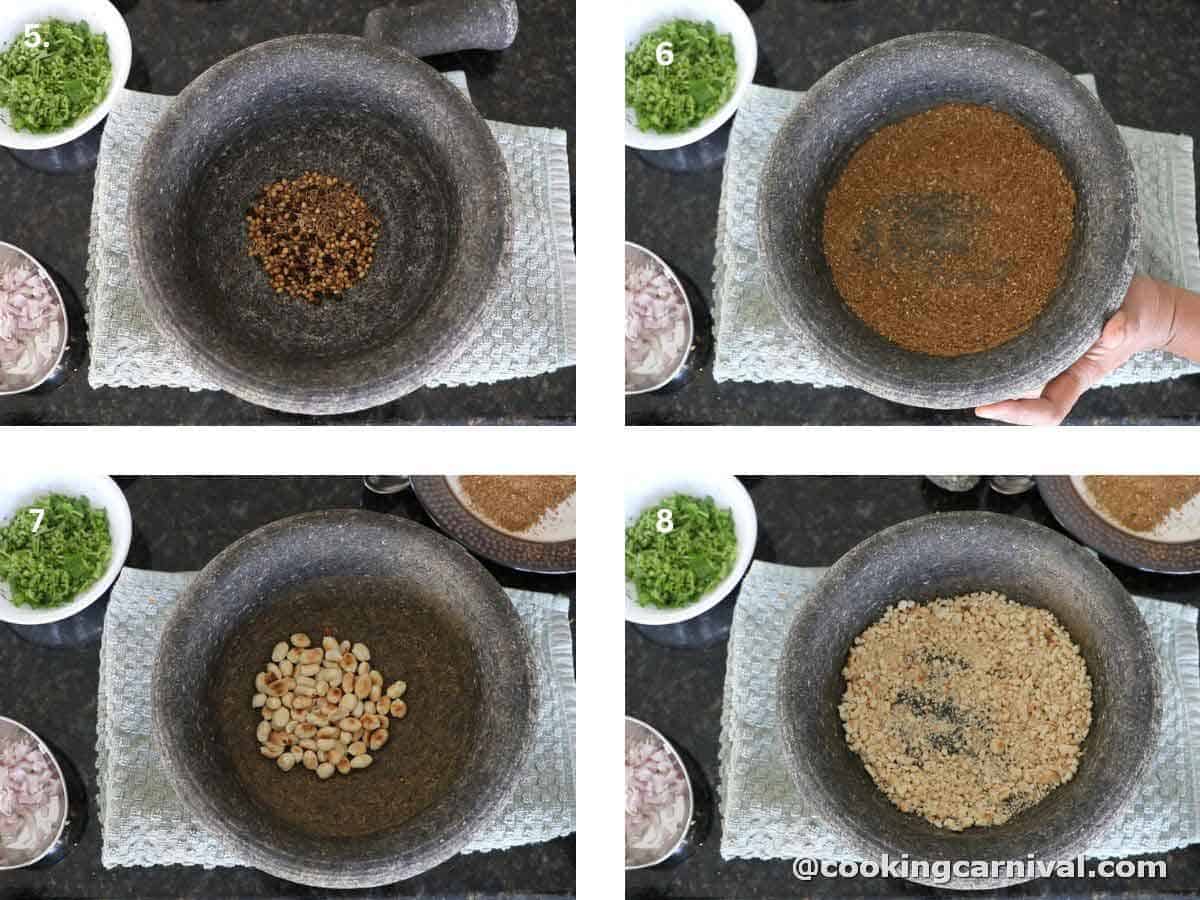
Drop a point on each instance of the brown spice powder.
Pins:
(969, 710)
(1141, 502)
(947, 232)
(516, 502)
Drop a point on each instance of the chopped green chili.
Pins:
(698, 81)
(48, 561)
(678, 567)
(60, 79)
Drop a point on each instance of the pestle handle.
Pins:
(444, 26)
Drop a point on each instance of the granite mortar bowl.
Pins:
(417, 151)
(890, 82)
(431, 616)
(946, 555)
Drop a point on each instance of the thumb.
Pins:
(1115, 331)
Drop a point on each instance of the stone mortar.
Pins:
(420, 154)
(943, 556)
(431, 614)
(892, 81)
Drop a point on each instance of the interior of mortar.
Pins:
(813, 222)
(411, 637)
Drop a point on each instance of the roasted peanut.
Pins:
(362, 687)
(323, 708)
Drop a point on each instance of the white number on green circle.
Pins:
(664, 53)
(38, 516)
(664, 524)
(33, 37)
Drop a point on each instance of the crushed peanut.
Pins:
(966, 711)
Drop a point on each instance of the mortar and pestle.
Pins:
(360, 109)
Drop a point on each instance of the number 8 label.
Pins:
(664, 524)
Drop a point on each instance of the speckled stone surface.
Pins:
(181, 524)
(416, 150)
(416, 596)
(530, 83)
(812, 522)
(1145, 62)
(898, 79)
(445, 26)
(945, 556)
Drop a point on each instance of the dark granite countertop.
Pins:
(180, 524)
(812, 522)
(1147, 65)
(531, 83)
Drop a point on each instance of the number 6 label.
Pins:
(664, 524)
(664, 53)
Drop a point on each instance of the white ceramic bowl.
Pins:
(636, 252)
(101, 16)
(11, 255)
(642, 492)
(12, 729)
(729, 18)
(102, 491)
(637, 725)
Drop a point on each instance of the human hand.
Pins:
(1146, 320)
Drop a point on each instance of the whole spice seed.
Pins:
(966, 711)
(947, 232)
(1141, 502)
(517, 502)
(314, 236)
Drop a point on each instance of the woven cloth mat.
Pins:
(766, 817)
(143, 822)
(528, 326)
(755, 344)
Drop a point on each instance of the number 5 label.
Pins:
(33, 37)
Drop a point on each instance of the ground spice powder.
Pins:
(1141, 502)
(947, 231)
(516, 502)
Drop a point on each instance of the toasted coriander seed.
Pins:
(314, 236)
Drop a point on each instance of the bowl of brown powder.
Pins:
(948, 219)
(525, 522)
(1150, 522)
(968, 686)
